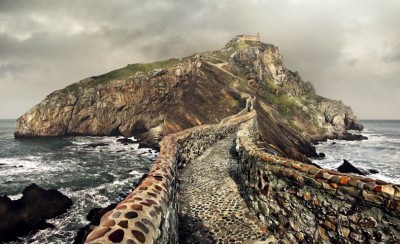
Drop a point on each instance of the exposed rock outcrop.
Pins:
(152, 100)
(29, 213)
(347, 167)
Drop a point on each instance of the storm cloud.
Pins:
(349, 50)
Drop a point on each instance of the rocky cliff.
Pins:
(156, 99)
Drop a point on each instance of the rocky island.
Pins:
(152, 100)
(269, 118)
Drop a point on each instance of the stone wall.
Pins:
(149, 213)
(302, 203)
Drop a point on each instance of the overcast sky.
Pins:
(349, 50)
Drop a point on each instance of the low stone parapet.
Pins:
(149, 213)
(300, 202)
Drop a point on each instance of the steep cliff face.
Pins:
(162, 101)
(152, 100)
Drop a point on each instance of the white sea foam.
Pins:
(110, 172)
(30, 164)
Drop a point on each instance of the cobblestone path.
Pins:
(212, 210)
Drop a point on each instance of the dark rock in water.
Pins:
(316, 165)
(144, 145)
(94, 217)
(347, 167)
(333, 143)
(352, 137)
(126, 141)
(321, 155)
(94, 145)
(27, 214)
(373, 171)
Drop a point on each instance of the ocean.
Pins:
(91, 177)
(380, 152)
(96, 177)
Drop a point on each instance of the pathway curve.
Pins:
(211, 207)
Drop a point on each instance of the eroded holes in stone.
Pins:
(265, 190)
(259, 183)
(123, 224)
(158, 178)
(138, 198)
(116, 214)
(97, 234)
(142, 227)
(163, 199)
(153, 214)
(149, 223)
(152, 194)
(137, 207)
(151, 201)
(146, 204)
(130, 241)
(121, 207)
(131, 215)
(158, 209)
(143, 188)
(265, 178)
(158, 188)
(116, 236)
(139, 236)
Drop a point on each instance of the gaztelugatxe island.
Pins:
(216, 147)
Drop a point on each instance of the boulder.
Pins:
(144, 145)
(27, 214)
(352, 137)
(373, 171)
(347, 167)
(126, 141)
(94, 145)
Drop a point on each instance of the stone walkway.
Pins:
(212, 210)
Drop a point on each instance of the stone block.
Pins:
(371, 197)
(307, 196)
(352, 191)
(330, 225)
(344, 180)
(327, 186)
(312, 182)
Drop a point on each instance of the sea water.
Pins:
(380, 152)
(91, 177)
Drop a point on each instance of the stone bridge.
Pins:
(213, 184)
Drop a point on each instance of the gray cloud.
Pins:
(347, 49)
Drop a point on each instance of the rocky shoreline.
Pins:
(29, 213)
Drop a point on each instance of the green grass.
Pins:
(132, 69)
(129, 70)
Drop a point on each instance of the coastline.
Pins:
(380, 152)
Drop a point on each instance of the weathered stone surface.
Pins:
(151, 209)
(212, 208)
(152, 100)
(345, 209)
